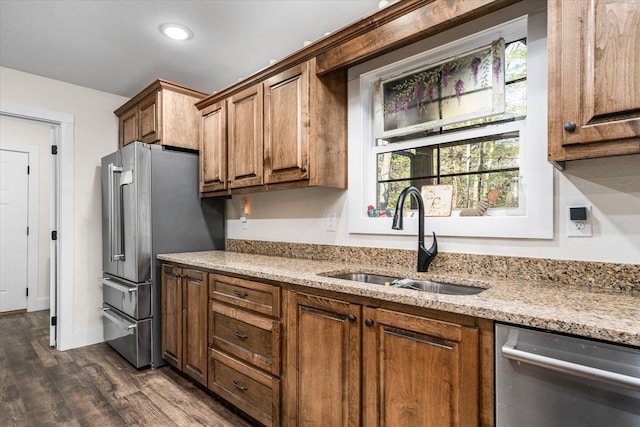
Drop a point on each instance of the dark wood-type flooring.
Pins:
(91, 386)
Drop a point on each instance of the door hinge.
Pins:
(28, 169)
(54, 149)
(54, 235)
(27, 231)
(54, 321)
(27, 291)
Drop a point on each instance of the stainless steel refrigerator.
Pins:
(150, 205)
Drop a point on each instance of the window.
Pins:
(470, 114)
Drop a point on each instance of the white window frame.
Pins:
(536, 184)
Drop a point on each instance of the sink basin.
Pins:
(438, 288)
(365, 277)
(418, 285)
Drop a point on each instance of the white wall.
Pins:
(95, 134)
(610, 185)
(28, 133)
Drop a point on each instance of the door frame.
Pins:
(33, 151)
(61, 299)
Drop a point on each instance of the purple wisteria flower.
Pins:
(417, 88)
(459, 87)
(395, 108)
(430, 88)
(405, 104)
(475, 65)
(445, 75)
(497, 65)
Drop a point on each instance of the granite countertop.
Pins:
(604, 314)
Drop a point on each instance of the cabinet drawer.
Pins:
(247, 336)
(247, 294)
(252, 391)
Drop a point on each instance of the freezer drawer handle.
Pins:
(571, 368)
(105, 313)
(118, 287)
(113, 232)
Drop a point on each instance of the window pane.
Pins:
(405, 164)
(516, 61)
(457, 89)
(468, 189)
(497, 152)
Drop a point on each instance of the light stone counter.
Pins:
(606, 314)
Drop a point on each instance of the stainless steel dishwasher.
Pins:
(546, 379)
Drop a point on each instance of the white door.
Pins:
(14, 208)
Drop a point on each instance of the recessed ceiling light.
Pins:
(176, 31)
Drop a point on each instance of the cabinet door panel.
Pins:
(128, 127)
(327, 374)
(594, 60)
(286, 115)
(149, 116)
(195, 298)
(245, 138)
(172, 315)
(421, 372)
(213, 149)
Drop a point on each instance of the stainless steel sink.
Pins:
(418, 285)
(366, 277)
(437, 287)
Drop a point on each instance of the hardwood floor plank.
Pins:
(12, 413)
(92, 386)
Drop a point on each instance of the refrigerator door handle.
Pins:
(113, 232)
(105, 313)
(118, 287)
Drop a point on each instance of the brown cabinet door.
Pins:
(172, 315)
(245, 138)
(286, 125)
(323, 371)
(128, 127)
(149, 118)
(594, 88)
(419, 371)
(213, 148)
(194, 325)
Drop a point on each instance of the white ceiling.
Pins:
(116, 45)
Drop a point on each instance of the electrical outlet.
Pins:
(331, 221)
(579, 221)
(244, 222)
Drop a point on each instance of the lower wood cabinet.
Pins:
(184, 320)
(291, 357)
(245, 345)
(350, 365)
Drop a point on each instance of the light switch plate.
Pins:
(331, 221)
(579, 228)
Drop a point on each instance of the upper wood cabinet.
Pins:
(286, 125)
(163, 113)
(286, 131)
(245, 138)
(213, 153)
(594, 88)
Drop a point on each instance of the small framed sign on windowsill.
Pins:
(438, 199)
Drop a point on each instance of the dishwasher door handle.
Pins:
(571, 368)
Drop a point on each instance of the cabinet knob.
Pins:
(570, 126)
(352, 318)
(368, 322)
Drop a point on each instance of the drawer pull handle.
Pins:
(237, 385)
(239, 335)
(240, 294)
